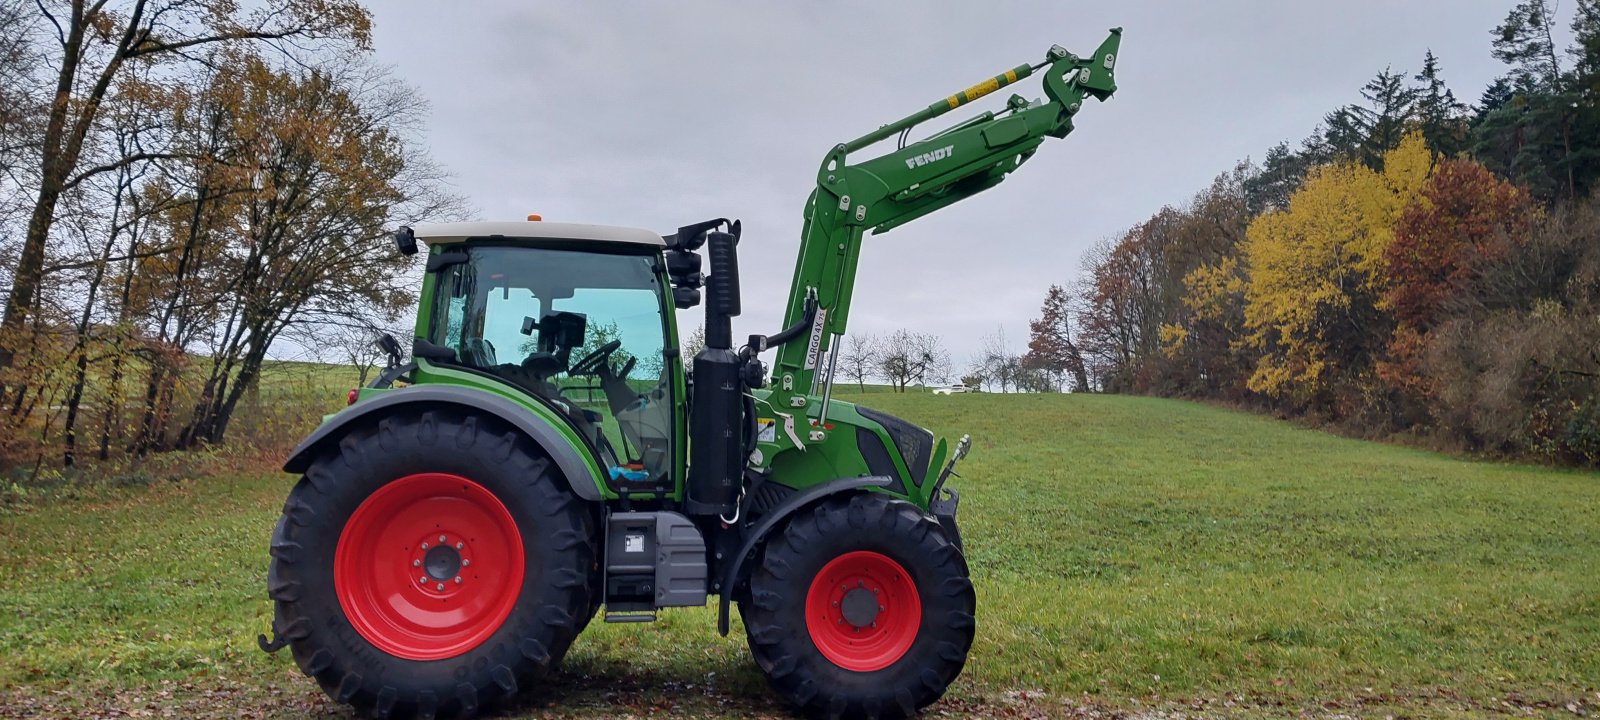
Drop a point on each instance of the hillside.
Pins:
(1127, 551)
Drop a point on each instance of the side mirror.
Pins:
(528, 324)
(390, 347)
(683, 272)
(405, 240)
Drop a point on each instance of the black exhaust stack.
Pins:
(717, 423)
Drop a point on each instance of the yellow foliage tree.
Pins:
(1316, 274)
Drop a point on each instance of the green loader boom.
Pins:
(913, 180)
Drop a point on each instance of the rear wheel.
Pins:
(860, 607)
(431, 565)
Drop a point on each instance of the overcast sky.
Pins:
(660, 114)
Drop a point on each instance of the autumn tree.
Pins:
(1051, 347)
(94, 47)
(1199, 336)
(1464, 220)
(1125, 293)
(1314, 302)
(324, 155)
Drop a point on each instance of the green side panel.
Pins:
(838, 453)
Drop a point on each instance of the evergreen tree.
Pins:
(1440, 116)
(1585, 87)
(1341, 137)
(1530, 138)
(1281, 173)
(1391, 103)
(1525, 42)
(1494, 97)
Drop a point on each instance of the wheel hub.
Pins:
(442, 562)
(441, 556)
(859, 607)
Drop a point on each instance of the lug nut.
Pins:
(465, 562)
(441, 538)
(422, 580)
(424, 546)
(460, 545)
(440, 587)
(458, 579)
(416, 563)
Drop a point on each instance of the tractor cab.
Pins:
(575, 316)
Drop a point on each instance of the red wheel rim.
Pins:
(863, 611)
(418, 597)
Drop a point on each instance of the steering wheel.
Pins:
(590, 364)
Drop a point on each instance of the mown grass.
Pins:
(1127, 552)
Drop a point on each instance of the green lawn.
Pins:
(1128, 552)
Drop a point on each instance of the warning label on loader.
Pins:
(768, 431)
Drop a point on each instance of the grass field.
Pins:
(1129, 554)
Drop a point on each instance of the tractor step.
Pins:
(630, 617)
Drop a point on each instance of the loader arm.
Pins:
(885, 192)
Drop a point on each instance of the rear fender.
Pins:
(581, 473)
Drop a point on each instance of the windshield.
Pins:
(583, 330)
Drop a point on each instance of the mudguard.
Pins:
(579, 476)
(758, 532)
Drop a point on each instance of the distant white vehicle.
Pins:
(952, 389)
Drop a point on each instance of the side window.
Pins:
(503, 313)
(452, 304)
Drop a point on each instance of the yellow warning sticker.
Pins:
(982, 89)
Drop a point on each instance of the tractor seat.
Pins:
(544, 364)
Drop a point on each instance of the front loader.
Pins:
(547, 453)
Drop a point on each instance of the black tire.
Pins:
(557, 535)
(775, 611)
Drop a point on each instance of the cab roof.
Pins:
(446, 233)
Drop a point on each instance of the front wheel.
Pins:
(861, 607)
(430, 566)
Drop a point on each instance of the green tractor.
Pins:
(547, 452)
